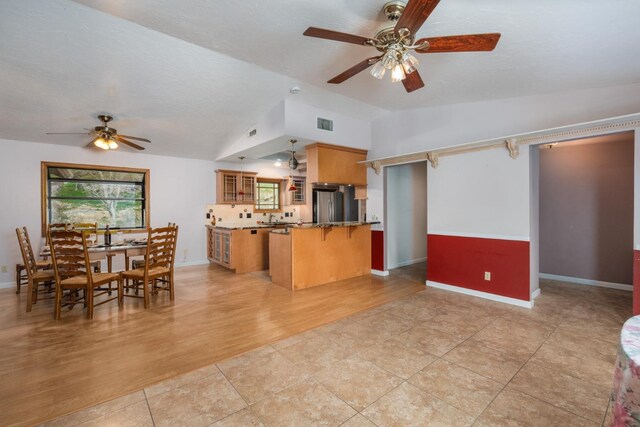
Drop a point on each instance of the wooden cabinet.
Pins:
(336, 164)
(219, 246)
(233, 187)
(240, 250)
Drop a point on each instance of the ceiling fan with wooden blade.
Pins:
(396, 39)
(105, 137)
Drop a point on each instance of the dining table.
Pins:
(101, 251)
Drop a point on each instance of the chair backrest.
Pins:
(69, 254)
(28, 258)
(161, 247)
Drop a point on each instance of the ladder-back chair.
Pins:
(36, 274)
(73, 272)
(158, 264)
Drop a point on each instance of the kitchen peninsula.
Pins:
(309, 255)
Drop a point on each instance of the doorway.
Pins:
(406, 220)
(584, 219)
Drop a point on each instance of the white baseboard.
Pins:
(588, 282)
(191, 263)
(379, 272)
(405, 263)
(479, 294)
(7, 285)
(535, 294)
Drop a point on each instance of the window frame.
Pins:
(44, 191)
(280, 201)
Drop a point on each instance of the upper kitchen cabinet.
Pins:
(336, 164)
(235, 187)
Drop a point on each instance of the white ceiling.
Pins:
(192, 75)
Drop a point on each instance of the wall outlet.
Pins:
(487, 276)
(248, 215)
(208, 215)
(240, 215)
(3, 269)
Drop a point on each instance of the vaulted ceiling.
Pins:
(192, 75)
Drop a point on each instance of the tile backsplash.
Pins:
(230, 215)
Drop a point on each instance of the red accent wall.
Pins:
(377, 250)
(636, 283)
(462, 261)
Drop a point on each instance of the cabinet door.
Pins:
(298, 195)
(210, 243)
(230, 188)
(226, 249)
(249, 189)
(217, 248)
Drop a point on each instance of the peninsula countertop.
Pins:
(293, 225)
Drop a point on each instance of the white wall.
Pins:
(480, 194)
(406, 226)
(180, 191)
(301, 121)
(416, 130)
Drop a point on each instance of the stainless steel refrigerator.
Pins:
(328, 206)
(334, 204)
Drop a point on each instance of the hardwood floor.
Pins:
(50, 368)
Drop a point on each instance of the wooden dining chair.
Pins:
(73, 272)
(22, 278)
(158, 265)
(90, 228)
(36, 275)
(139, 263)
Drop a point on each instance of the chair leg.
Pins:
(171, 287)
(29, 295)
(58, 303)
(145, 290)
(120, 292)
(89, 297)
(18, 278)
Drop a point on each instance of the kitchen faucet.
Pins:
(270, 218)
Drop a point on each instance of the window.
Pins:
(268, 197)
(104, 195)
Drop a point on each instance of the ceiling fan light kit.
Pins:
(106, 138)
(396, 39)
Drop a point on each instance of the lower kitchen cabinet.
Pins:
(240, 250)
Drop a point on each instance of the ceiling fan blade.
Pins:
(335, 35)
(361, 66)
(413, 82)
(67, 133)
(129, 143)
(415, 13)
(134, 138)
(466, 43)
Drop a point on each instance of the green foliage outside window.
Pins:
(96, 196)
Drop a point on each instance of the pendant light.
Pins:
(293, 162)
(241, 192)
(292, 187)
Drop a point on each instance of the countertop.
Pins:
(294, 225)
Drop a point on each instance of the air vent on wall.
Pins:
(253, 132)
(325, 124)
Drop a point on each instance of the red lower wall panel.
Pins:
(377, 250)
(636, 283)
(462, 261)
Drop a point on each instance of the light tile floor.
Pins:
(433, 358)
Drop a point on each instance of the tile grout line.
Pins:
(555, 328)
(153, 421)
